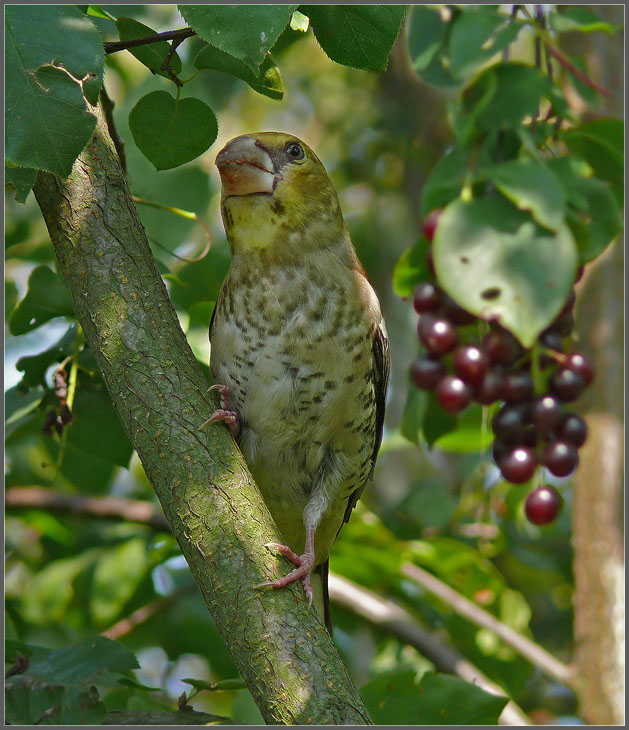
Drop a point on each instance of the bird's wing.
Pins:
(381, 367)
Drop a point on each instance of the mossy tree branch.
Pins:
(215, 511)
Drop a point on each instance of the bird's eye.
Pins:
(295, 151)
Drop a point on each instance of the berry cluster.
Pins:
(531, 429)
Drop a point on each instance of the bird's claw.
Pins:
(305, 565)
(230, 418)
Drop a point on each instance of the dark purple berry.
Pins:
(470, 364)
(438, 334)
(546, 414)
(551, 340)
(518, 387)
(508, 423)
(490, 389)
(499, 449)
(456, 313)
(580, 364)
(501, 347)
(560, 458)
(453, 394)
(426, 297)
(563, 325)
(519, 465)
(569, 305)
(426, 371)
(429, 226)
(572, 430)
(543, 505)
(566, 384)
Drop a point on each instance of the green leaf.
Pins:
(34, 366)
(580, 19)
(496, 263)
(499, 98)
(449, 700)
(411, 268)
(427, 39)
(50, 49)
(469, 436)
(170, 132)
(531, 186)
(225, 684)
(413, 415)
(601, 143)
(50, 591)
(267, 80)
(599, 226)
(201, 313)
(97, 11)
(116, 578)
(22, 179)
(163, 717)
(477, 35)
(444, 182)
(437, 422)
(19, 407)
(151, 55)
(83, 663)
(96, 435)
(438, 699)
(247, 32)
(594, 217)
(46, 298)
(360, 36)
(28, 703)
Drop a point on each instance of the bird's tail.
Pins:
(321, 596)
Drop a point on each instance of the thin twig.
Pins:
(169, 35)
(108, 109)
(464, 607)
(120, 508)
(166, 64)
(395, 620)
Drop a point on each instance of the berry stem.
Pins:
(536, 371)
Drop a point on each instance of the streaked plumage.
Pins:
(298, 339)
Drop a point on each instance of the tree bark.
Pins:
(221, 523)
(599, 599)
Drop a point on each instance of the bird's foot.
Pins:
(305, 564)
(223, 413)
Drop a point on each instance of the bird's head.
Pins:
(276, 195)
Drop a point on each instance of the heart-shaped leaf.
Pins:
(498, 264)
(170, 132)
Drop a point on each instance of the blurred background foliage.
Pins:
(70, 576)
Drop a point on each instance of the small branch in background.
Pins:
(536, 654)
(398, 622)
(119, 508)
(169, 35)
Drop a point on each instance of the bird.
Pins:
(299, 349)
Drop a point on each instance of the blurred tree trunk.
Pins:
(598, 497)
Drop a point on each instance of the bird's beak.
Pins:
(246, 168)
